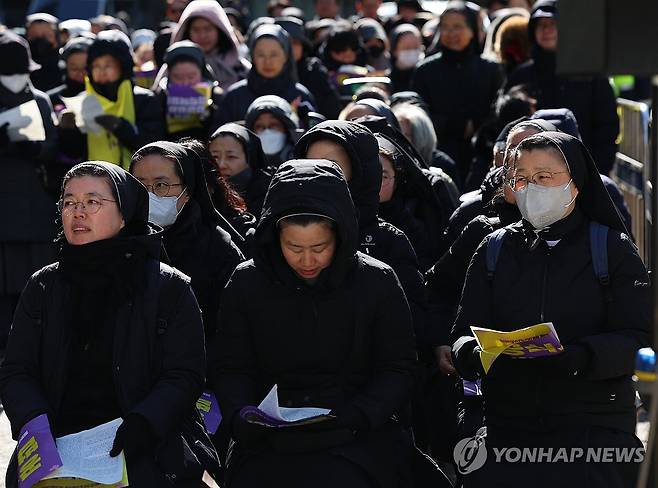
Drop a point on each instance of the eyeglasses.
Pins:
(161, 188)
(89, 206)
(541, 178)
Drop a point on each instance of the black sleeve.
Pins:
(628, 318)
(20, 389)
(150, 123)
(326, 96)
(605, 125)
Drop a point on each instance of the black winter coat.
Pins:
(458, 88)
(158, 376)
(344, 343)
(534, 283)
(315, 77)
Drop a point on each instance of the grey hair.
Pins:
(423, 136)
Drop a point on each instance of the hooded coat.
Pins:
(196, 243)
(237, 99)
(282, 110)
(377, 238)
(327, 345)
(85, 345)
(27, 212)
(226, 63)
(588, 387)
(459, 87)
(591, 99)
(401, 78)
(252, 185)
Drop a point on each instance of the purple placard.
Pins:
(185, 100)
(472, 388)
(535, 347)
(209, 408)
(37, 452)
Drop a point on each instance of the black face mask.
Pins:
(375, 51)
(42, 50)
(75, 86)
(108, 90)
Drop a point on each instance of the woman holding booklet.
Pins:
(326, 324)
(549, 269)
(108, 331)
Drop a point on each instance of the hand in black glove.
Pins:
(134, 436)
(350, 417)
(108, 122)
(573, 361)
(4, 136)
(467, 363)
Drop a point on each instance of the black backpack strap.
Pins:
(598, 241)
(494, 245)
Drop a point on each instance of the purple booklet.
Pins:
(472, 388)
(209, 408)
(184, 100)
(37, 452)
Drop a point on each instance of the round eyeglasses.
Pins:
(89, 205)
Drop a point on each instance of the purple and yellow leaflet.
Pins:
(37, 452)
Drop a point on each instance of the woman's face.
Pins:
(82, 226)
(456, 35)
(269, 57)
(297, 49)
(155, 171)
(229, 156)
(407, 42)
(76, 67)
(388, 179)
(105, 69)
(268, 121)
(358, 111)
(546, 34)
(204, 33)
(326, 149)
(185, 73)
(307, 249)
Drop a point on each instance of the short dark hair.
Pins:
(154, 150)
(89, 169)
(304, 220)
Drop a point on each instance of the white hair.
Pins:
(423, 136)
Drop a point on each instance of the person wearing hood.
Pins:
(354, 147)
(407, 50)
(342, 47)
(299, 333)
(273, 73)
(271, 118)
(591, 99)
(26, 210)
(74, 57)
(238, 156)
(82, 345)
(188, 78)
(582, 395)
(131, 116)
(42, 34)
(310, 70)
(458, 85)
(194, 237)
(376, 44)
(205, 23)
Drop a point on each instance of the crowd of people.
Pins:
(326, 205)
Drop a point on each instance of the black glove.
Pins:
(4, 136)
(134, 436)
(467, 363)
(350, 417)
(571, 362)
(108, 122)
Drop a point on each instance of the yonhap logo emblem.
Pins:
(471, 453)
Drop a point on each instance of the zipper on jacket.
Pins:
(544, 283)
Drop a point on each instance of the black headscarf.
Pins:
(280, 84)
(544, 60)
(116, 44)
(382, 110)
(314, 186)
(276, 106)
(593, 198)
(361, 146)
(188, 51)
(250, 143)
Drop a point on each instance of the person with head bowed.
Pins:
(273, 73)
(328, 325)
(194, 237)
(568, 262)
(87, 343)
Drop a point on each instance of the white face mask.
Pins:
(408, 58)
(272, 141)
(544, 205)
(15, 83)
(162, 210)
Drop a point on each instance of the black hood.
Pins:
(471, 15)
(361, 146)
(288, 76)
(562, 118)
(307, 186)
(116, 44)
(542, 9)
(593, 198)
(250, 142)
(399, 31)
(341, 36)
(188, 51)
(382, 110)
(295, 29)
(15, 54)
(275, 105)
